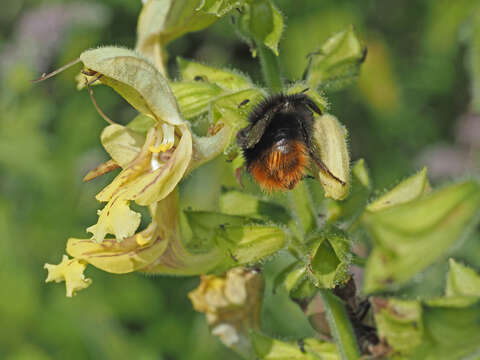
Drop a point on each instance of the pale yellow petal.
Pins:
(120, 257)
(70, 271)
(122, 144)
(115, 218)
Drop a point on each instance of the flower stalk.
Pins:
(270, 68)
(338, 320)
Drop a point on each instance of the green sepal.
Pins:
(337, 63)
(295, 280)
(162, 21)
(409, 237)
(227, 79)
(194, 97)
(219, 7)
(445, 328)
(261, 22)
(236, 202)
(462, 281)
(238, 240)
(407, 190)
(136, 80)
(330, 258)
(267, 348)
(400, 322)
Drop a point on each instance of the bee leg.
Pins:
(89, 72)
(238, 175)
(363, 308)
(301, 345)
(324, 168)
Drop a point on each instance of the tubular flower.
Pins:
(153, 164)
(155, 151)
(232, 305)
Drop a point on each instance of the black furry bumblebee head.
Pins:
(277, 143)
(298, 107)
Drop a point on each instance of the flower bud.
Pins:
(331, 139)
(337, 62)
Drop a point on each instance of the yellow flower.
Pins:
(155, 151)
(232, 305)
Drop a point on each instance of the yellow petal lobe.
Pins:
(70, 271)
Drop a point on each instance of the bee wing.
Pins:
(248, 137)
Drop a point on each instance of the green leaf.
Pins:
(453, 333)
(239, 203)
(330, 258)
(408, 190)
(227, 79)
(439, 328)
(411, 236)
(294, 278)
(267, 348)
(337, 63)
(462, 281)
(136, 80)
(400, 323)
(194, 97)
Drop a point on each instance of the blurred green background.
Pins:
(412, 105)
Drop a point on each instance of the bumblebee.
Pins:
(278, 144)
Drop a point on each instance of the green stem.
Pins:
(303, 216)
(270, 68)
(340, 326)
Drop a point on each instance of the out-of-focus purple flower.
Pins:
(447, 161)
(41, 31)
(468, 130)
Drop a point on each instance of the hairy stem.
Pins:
(337, 317)
(340, 326)
(270, 68)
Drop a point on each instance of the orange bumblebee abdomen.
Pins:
(281, 166)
